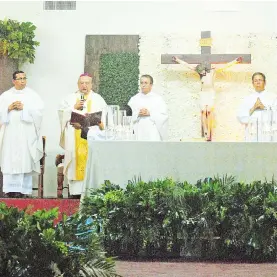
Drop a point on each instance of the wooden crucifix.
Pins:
(206, 72)
(206, 55)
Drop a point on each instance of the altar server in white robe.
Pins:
(21, 111)
(76, 148)
(149, 113)
(253, 105)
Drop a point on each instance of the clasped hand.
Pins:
(257, 106)
(144, 112)
(17, 105)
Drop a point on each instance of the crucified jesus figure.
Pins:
(207, 92)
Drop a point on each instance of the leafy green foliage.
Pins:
(17, 40)
(32, 246)
(224, 218)
(119, 73)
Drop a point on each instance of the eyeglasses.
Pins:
(24, 78)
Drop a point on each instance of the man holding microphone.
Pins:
(83, 101)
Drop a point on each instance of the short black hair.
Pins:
(17, 72)
(149, 77)
(258, 73)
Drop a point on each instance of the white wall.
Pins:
(60, 56)
(180, 87)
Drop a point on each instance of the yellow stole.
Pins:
(81, 149)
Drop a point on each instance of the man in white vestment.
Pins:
(253, 105)
(76, 148)
(20, 142)
(149, 113)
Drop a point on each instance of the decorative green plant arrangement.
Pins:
(17, 40)
(119, 74)
(218, 219)
(32, 246)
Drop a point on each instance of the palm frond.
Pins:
(99, 268)
(135, 180)
(225, 180)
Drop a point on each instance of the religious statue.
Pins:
(207, 75)
(206, 69)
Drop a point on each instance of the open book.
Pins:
(86, 120)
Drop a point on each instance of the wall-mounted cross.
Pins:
(206, 55)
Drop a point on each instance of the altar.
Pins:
(122, 161)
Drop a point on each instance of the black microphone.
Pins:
(82, 99)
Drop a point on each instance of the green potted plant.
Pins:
(31, 245)
(17, 40)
